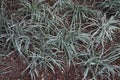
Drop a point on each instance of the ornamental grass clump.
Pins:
(52, 35)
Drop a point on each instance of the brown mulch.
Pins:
(13, 65)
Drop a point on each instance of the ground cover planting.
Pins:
(59, 39)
